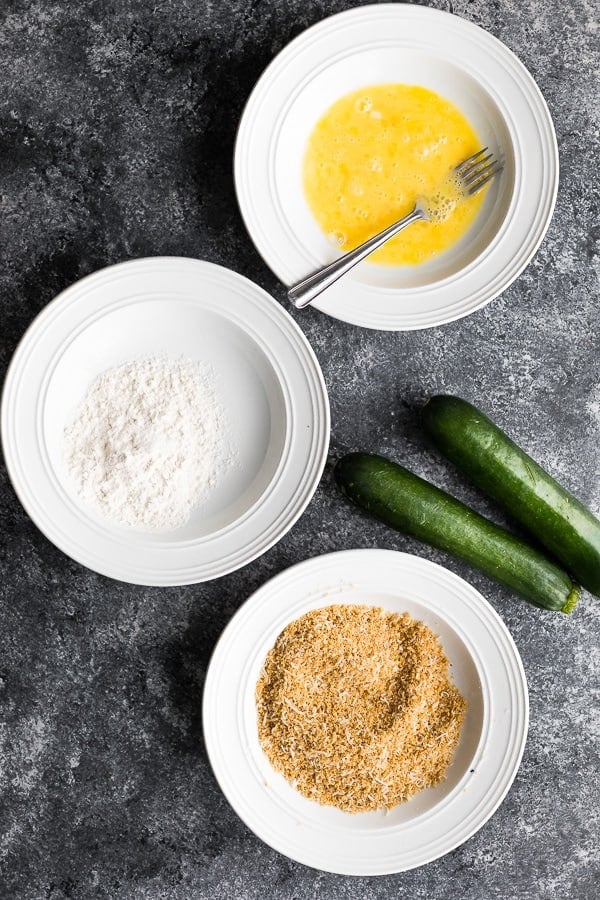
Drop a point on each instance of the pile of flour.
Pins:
(149, 442)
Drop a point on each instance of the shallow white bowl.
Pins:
(407, 44)
(485, 666)
(267, 378)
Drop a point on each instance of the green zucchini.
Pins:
(413, 506)
(499, 467)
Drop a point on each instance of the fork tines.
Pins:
(477, 170)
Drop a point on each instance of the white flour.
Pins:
(148, 442)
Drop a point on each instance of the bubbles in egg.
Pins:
(356, 187)
(440, 205)
(338, 238)
(363, 105)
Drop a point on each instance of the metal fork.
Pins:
(472, 174)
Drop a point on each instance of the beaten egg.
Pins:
(373, 154)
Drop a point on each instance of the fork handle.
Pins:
(304, 292)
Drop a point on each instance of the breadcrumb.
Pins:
(356, 708)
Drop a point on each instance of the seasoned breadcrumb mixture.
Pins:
(356, 708)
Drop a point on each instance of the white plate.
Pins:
(267, 377)
(416, 45)
(485, 666)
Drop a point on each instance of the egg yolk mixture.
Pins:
(373, 154)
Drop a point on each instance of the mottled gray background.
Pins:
(117, 122)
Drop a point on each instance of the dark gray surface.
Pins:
(117, 122)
